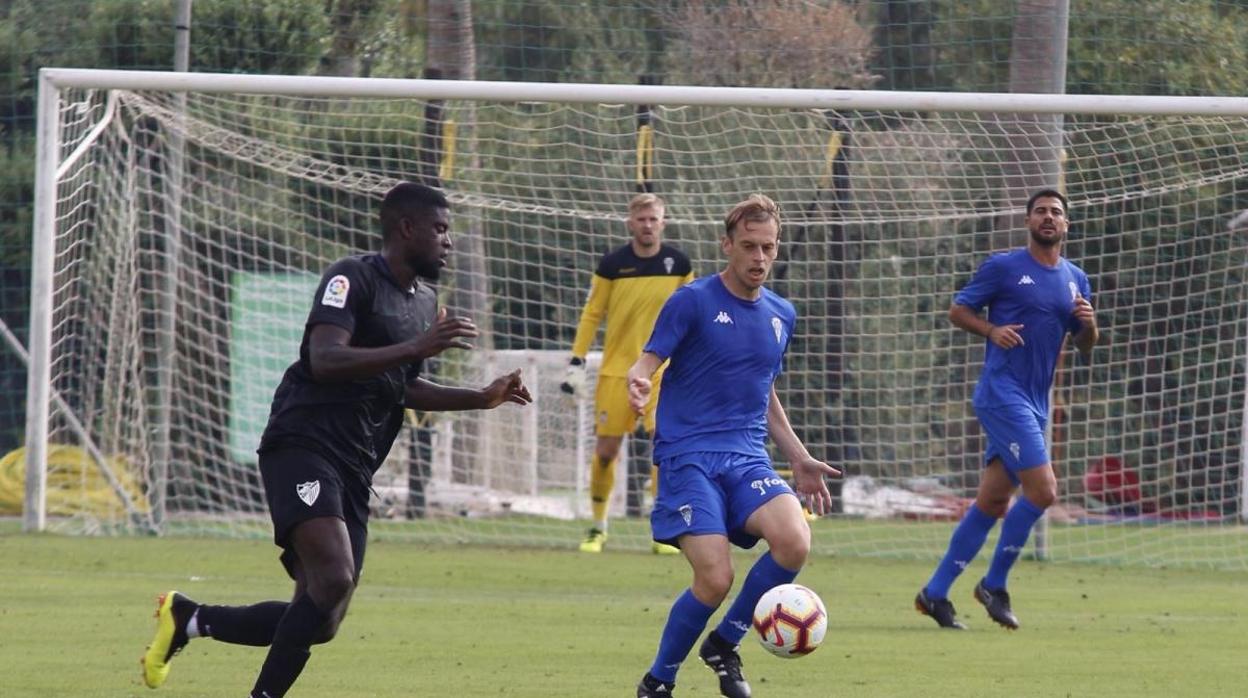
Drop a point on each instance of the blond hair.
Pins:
(755, 209)
(645, 201)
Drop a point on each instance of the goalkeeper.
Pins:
(628, 289)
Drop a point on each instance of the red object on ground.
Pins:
(1107, 480)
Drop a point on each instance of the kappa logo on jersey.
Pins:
(1026, 281)
(723, 318)
(779, 329)
(686, 513)
(308, 491)
(336, 292)
(1014, 449)
(669, 264)
(1074, 291)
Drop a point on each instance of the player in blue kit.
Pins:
(1034, 298)
(725, 337)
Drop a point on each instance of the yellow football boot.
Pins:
(663, 549)
(170, 637)
(594, 540)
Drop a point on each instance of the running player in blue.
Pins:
(1034, 298)
(725, 337)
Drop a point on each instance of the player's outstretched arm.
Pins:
(639, 385)
(591, 317)
(808, 471)
(428, 396)
(333, 359)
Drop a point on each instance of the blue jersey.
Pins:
(725, 354)
(1019, 290)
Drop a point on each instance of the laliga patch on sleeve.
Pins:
(336, 292)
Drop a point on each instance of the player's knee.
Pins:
(712, 587)
(332, 589)
(993, 506)
(792, 556)
(790, 551)
(1042, 497)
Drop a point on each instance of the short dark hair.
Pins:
(406, 200)
(1048, 194)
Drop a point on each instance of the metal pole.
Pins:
(1053, 176)
(39, 372)
(166, 335)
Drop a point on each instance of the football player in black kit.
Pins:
(333, 420)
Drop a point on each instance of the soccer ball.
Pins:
(790, 621)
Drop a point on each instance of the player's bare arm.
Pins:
(1004, 336)
(808, 471)
(428, 396)
(1089, 333)
(639, 384)
(333, 359)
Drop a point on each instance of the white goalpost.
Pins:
(182, 221)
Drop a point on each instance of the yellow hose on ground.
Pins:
(75, 484)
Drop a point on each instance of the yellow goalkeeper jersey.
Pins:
(628, 292)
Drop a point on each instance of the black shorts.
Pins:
(300, 485)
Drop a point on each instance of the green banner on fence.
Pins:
(267, 314)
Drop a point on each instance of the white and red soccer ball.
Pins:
(790, 621)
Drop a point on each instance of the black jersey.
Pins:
(354, 423)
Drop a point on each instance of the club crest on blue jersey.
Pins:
(778, 327)
(1074, 291)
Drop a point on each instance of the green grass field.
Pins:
(75, 615)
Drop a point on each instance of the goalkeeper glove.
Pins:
(574, 379)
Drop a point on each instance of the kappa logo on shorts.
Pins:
(336, 292)
(308, 491)
(686, 513)
(1014, 449)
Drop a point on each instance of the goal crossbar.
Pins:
(684, 95)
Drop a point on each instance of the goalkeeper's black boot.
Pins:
(651, 687)
(997, 601)
(939, 610)
(722, 658)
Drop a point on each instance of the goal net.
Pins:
(179, 237)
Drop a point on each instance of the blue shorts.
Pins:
(1015, 435)
(708, 492)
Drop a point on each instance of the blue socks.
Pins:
(688, 617)
(765, 574)
(1014, 532)
(685, 623)
(967, 539)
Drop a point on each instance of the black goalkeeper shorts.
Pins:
(300, 485)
